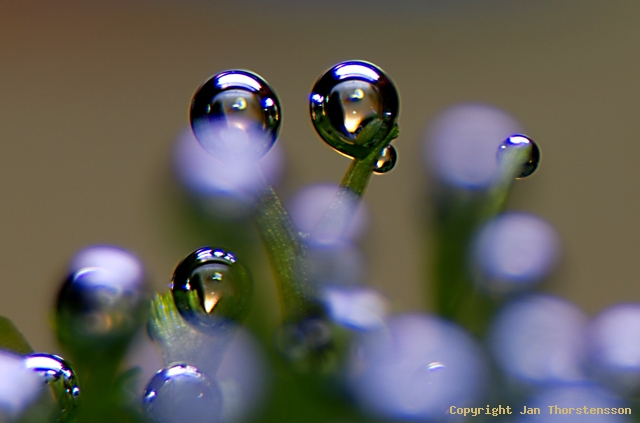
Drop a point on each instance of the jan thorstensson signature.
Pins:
(550, 409)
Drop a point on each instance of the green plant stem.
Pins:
(287, 256)
(359, 173)
(459, 215)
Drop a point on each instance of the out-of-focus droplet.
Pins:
(415, 368)
(308, 344)
(104, 298)
(308, 209)
(357, 308)
(234, 114)
(514, 251)
(573, 404)
(62, 381)
(226, 189)
(181, 393)
(211, 289)
(387, 160)
(353, 106)
(461, 144)
(19, 386)
(540, 340)
(517, 143)
(614, 347)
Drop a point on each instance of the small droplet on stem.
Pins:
(523, 143)
(387, 160)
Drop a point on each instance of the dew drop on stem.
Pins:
(211, 289)
(235, 115)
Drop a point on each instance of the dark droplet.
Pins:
(521, 143)
(353, 106)
(387, 160)
(235, 114)
(210, 288)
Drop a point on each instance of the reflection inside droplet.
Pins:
(352, 105)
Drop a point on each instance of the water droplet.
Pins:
(61, 379)
(181, 393)
(308, 344)
(103, 299)
(518, 143)
(387, 160)
(235, 114)
(210, 288)
(353, 106)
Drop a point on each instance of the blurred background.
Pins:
(94, 93)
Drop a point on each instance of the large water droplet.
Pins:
(387, 160)
(181, 393)
(61, 379)
(353, 106)
(235, 114)
(210, 288)
(521, 143)
(103, 299)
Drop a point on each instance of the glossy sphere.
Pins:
(181, 393)
(211, 289)
(353, 106)
(103, 299)
(235, 114)
(521, 143)
(414, 368)
(387, 160)
(60, 377)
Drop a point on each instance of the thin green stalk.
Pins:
(287, 256)
(459, 215)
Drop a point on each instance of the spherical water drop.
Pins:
(103, 299)
(181, 393)
(211, 289)
(414, 368)
(62, 381)
(353, 106)
(461, 144)
(308, 344)
(235, 114)
(521, 143)
(387, 160)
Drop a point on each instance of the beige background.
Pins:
(93, 93)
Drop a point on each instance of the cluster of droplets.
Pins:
(396, 366)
